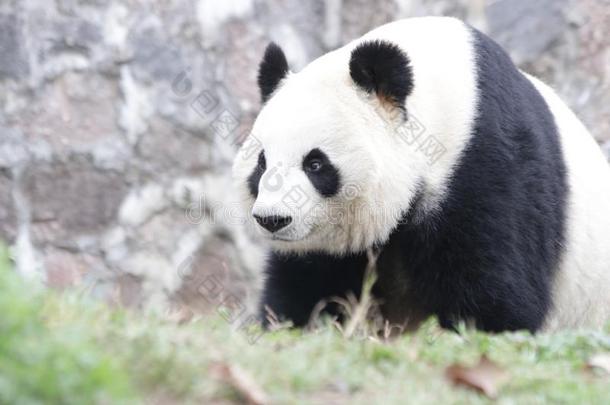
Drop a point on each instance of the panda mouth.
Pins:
(290, 237)
(281, 238)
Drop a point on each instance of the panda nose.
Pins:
(273, 223)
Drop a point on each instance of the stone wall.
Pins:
(119, 120)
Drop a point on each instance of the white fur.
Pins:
(381, 172)
(582, 288)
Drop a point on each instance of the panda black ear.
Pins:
(382, 67)
(272, 69)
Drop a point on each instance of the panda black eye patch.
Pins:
(257, 173)
(321, 172)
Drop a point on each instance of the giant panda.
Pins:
(482, 196)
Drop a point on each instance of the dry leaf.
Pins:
(241, 382)
(600, 361)
(486, 376)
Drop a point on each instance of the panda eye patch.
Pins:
(256, 174)
(262, 162)
(321, 172)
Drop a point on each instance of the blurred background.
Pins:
(119, 121)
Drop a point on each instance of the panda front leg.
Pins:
(295, 284)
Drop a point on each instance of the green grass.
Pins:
(67, 349)
(44, 361)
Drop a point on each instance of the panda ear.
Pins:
(382, 67)
(272, 69)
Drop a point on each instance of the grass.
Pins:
(63, 349)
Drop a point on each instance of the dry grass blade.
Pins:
(274, 323)
(360, 311)
(486, 376)
(238, 379)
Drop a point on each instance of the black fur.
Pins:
(327, 179)
(257, 173)
(491, 251)
(383, 68)
(296, 284)
(272, 69)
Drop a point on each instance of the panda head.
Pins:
(324, 168)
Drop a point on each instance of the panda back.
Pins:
(581, 291)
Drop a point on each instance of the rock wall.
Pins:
(119, 120)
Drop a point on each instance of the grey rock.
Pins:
(13, 148)
(526, 28)
(8, 214)
(71, 199)
(73, 35)
(75, 112)
(156, 57)
(170, 150)
(212, 275)
(14, 59)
